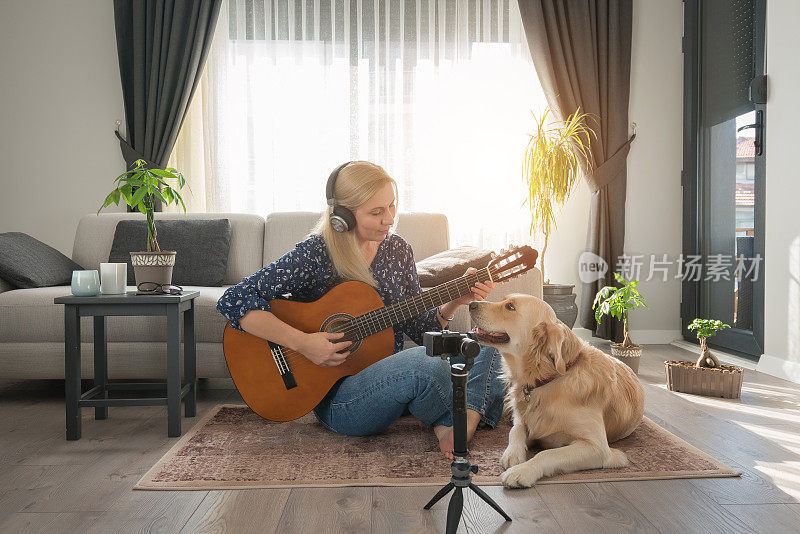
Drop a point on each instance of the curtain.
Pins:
(438, 92)
(582, 53)
(161, 46)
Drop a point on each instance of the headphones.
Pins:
(342, 219)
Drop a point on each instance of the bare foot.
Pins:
(445, 436)
(445, 433)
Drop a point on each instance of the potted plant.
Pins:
(139, 187)
(706, 328)
(552, 170)
(616, 301)
(706, 376)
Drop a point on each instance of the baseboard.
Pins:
(778, 367)
(583, 333)
(641, 337)
(654, 337)
(217, 383)
(724, 357)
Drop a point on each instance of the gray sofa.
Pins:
(32, 326)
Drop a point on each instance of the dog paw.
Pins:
(616, 458)
(513, 456)
(519, 476)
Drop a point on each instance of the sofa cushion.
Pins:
(95, 234)
(26, 262)
(203, 246)
(30, 316)
(427, 233)
(450, 264)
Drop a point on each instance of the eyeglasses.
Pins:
(152, 287)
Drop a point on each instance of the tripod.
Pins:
(460, 467)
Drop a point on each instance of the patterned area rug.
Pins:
(233, 448)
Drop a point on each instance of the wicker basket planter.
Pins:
(724, 381)
(629, 356)
(153, 266)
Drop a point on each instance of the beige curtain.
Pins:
(582, 54)
(191, 155)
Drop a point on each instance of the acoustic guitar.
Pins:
(281, 385)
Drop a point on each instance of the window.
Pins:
(439, 93)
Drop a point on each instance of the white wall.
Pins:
(60, 93)
(653, 215)
(782, 245)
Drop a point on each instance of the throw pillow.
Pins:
(451, 264)
(26, 262)
(202, 245)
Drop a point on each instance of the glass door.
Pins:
(724, 169)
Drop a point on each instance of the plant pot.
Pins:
(630, 356)
(561, 298)
(153, 266)
(724, 381)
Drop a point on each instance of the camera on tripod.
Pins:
(450, 346)
(447, 343)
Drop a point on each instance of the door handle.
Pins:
(758, 126)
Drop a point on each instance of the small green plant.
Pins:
(552, 169)
(706, 328)
(616, 301)
(139, 187)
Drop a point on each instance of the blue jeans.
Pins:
(410, 381)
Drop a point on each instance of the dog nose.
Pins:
(473, 305)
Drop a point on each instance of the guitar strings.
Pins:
(377, 318)
(280, 359)
(373, 318)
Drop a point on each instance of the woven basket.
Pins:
(725, 382)
(630, 356)
(153, 266)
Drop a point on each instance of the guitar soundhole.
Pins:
(341, 322)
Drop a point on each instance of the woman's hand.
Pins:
(320, 349)
(480, 290)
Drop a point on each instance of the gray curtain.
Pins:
(582, 53)
(162, 46)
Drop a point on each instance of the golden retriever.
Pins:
(572, 398)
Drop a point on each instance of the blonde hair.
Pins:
(355, 185)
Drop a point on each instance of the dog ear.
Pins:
(555, 346)
(557, 339)
(549, 338)
(539, 336)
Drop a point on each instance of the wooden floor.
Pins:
(50, 485)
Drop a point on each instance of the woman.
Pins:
(408, 380)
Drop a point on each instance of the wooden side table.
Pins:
(129, 304)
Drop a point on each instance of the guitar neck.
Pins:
(382, 318)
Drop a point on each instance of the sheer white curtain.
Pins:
(439, 93)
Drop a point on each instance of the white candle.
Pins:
(113, 278)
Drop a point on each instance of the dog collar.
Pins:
(527, 388)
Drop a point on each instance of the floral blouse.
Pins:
(306, 273)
